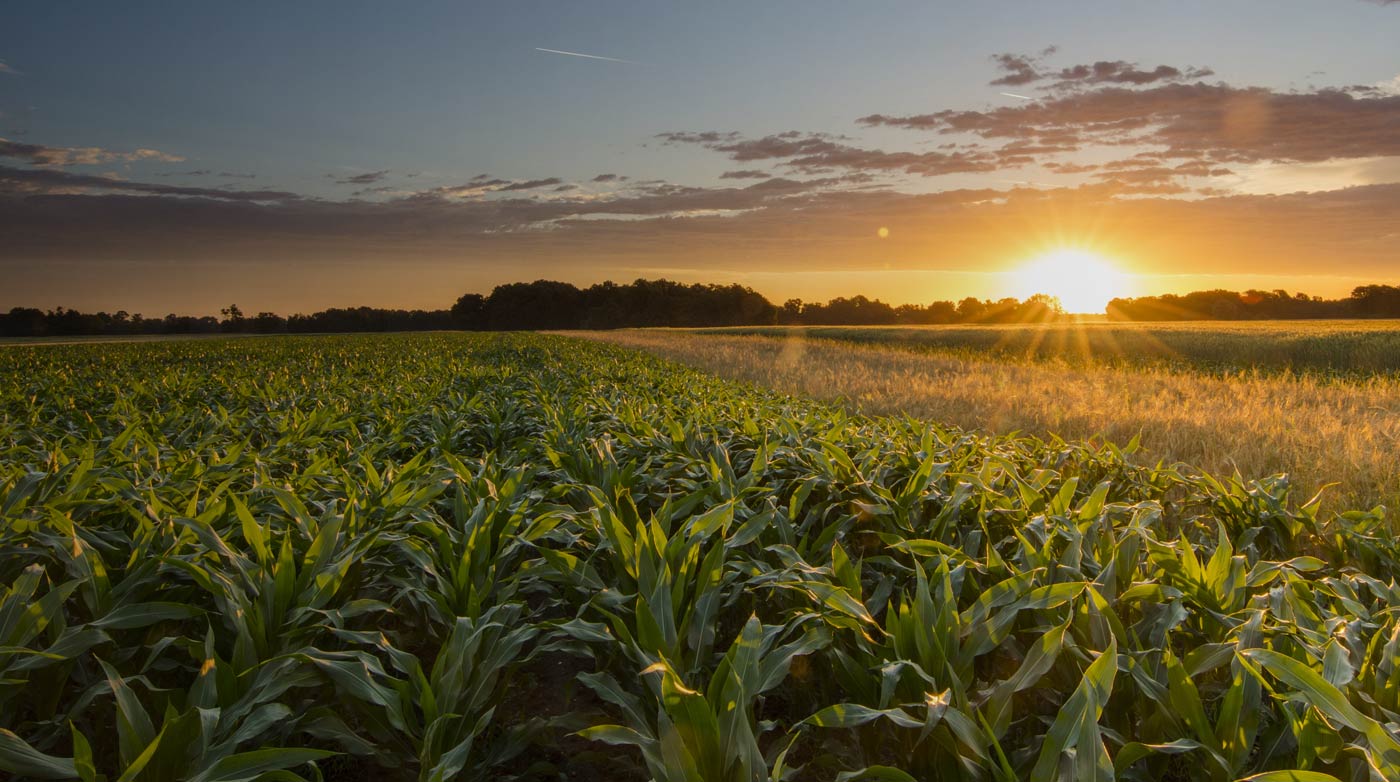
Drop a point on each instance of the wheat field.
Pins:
(1340, 435)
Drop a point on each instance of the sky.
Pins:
(179, 157)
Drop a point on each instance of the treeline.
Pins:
(29, 322)
(1366, 301)
(860, 311)
(543, 304)
(547, 304)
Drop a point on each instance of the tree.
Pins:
(971, 309)
(791, 311)
(469, 312)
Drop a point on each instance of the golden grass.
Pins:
(1356, 347)
(1318, 430)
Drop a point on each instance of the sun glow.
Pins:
(1083, 281)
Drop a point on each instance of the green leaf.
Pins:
(18, 757)
(1290, 776)
(849, 715)
(130, 617)
(1077, 722)
(877, 773)
(248, 766)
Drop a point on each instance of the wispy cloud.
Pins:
(367, 178)
(40, 155)
(6, 68)
(585, 56)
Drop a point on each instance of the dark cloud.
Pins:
(746, 173)
(814, 153)
(531, 184)
(1216, 122)
(1121, 72)
(1019, 70)
(482, 184)
(30, 181)
(208, 172)
(163, 221)
(609, 178)
(375, 190)
(40, 155)
(367, 178)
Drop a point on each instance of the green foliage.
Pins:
(442, 557)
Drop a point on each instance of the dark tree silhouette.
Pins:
(549, 304)
(1367, 301)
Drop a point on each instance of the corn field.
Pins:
(439, 557)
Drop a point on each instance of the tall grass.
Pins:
(1339, 433)
(437, 557)
(1355, 348)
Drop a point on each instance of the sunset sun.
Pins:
(1083, 281)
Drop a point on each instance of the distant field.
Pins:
(1328, 346)
(1333, 427)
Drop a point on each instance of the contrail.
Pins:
(1014, 95)
(577, 54)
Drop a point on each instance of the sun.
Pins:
(1083, 281)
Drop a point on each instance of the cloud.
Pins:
(531, 184)
(1019, 70)
(1122, 72)
(608, 178)
(1390, 86)
(814, 153)
(6, 68)
(42, 181)
(379, 190)
(103, 239)
(1216, 122)
(746, 173)
(482, 185)
(40, 155)
(367, 178)
(208, 172)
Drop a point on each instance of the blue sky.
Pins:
(295, 96)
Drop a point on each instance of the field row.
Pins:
(449, 556)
